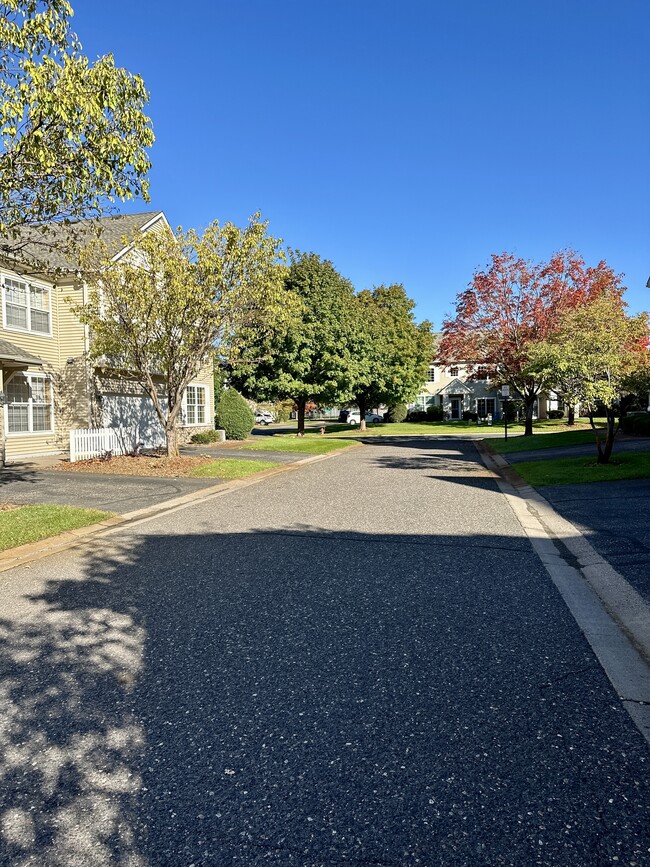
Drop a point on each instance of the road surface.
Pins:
(360, 662)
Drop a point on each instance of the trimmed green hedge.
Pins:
(636, 424)
(205, 436)
(234, 415)
(397, 413)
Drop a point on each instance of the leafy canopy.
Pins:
(511, 306)
(308, 355)
(73, 133)
(392, 352)
(165, 307)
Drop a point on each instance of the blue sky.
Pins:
(404, 141)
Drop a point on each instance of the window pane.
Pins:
(191, 414)
(38, 298)
(16, 316)
(41, 417)
(200, 396)
(17, 390)
(40, 321)
(16, 292)
(200, 414)
(17, 419)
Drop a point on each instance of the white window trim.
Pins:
(185, 422)
(30, 433)
(6, 276)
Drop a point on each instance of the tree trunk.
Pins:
(302, 403)
(590, 416)
(530, 406)
(171, 435)
(605, 451)
(361, 403)
(571, 414)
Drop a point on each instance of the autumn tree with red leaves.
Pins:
(510, 307)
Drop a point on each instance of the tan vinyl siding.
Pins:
(69, 381)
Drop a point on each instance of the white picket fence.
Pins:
(93, 442)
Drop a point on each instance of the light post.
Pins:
(505, 394)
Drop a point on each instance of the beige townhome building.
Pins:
(459, 387)
(47, 382)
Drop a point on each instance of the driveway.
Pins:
(363, 662)
(93, 491)
(615, 517)
(629, 445)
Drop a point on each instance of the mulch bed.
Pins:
(140, 465)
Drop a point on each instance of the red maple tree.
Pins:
(511, 305)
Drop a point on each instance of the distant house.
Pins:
(461, 387)
(48, 384)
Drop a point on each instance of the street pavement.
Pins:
(362, 662)
(119, 494)
(615, 518)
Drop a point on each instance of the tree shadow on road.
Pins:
(304, 697)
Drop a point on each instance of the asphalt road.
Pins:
(615, 517)
(362, 662)
(579, 451)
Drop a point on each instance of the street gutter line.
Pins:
(613, 617)
(25, 554)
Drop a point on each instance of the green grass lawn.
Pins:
(548, 441)
(232, 468)
(307, 445)
(572, 471)
(32, 523)
(440, 428)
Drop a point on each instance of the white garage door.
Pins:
(135, 415)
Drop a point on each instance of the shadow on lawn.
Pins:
(301, 697)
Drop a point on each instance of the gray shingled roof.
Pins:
(12, 353)
(48, 249)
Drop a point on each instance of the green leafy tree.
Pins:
(73, 133)
(234, 415)
(160, 313)
(607, 353)
(391, 352)
(308, 356)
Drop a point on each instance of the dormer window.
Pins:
(26, 307)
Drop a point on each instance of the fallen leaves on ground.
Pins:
(142, 465)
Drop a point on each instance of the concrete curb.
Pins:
(25, 554)
(614, 618)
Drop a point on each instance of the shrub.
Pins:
(397, 413)
(556, 413)
(468, 415)
(234, 415)
(435, 413)
(205, 436)
(416, 415)
(283, 410)
(636, 424)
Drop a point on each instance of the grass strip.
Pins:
(232, 468)
(548, 441)
(33, 523)
(307, 445)
(575, 471)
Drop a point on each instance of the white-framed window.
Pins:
(432, 373)
(453, 371)
(29, 404)
(482, 372)
(26, 306)
(195, 403)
